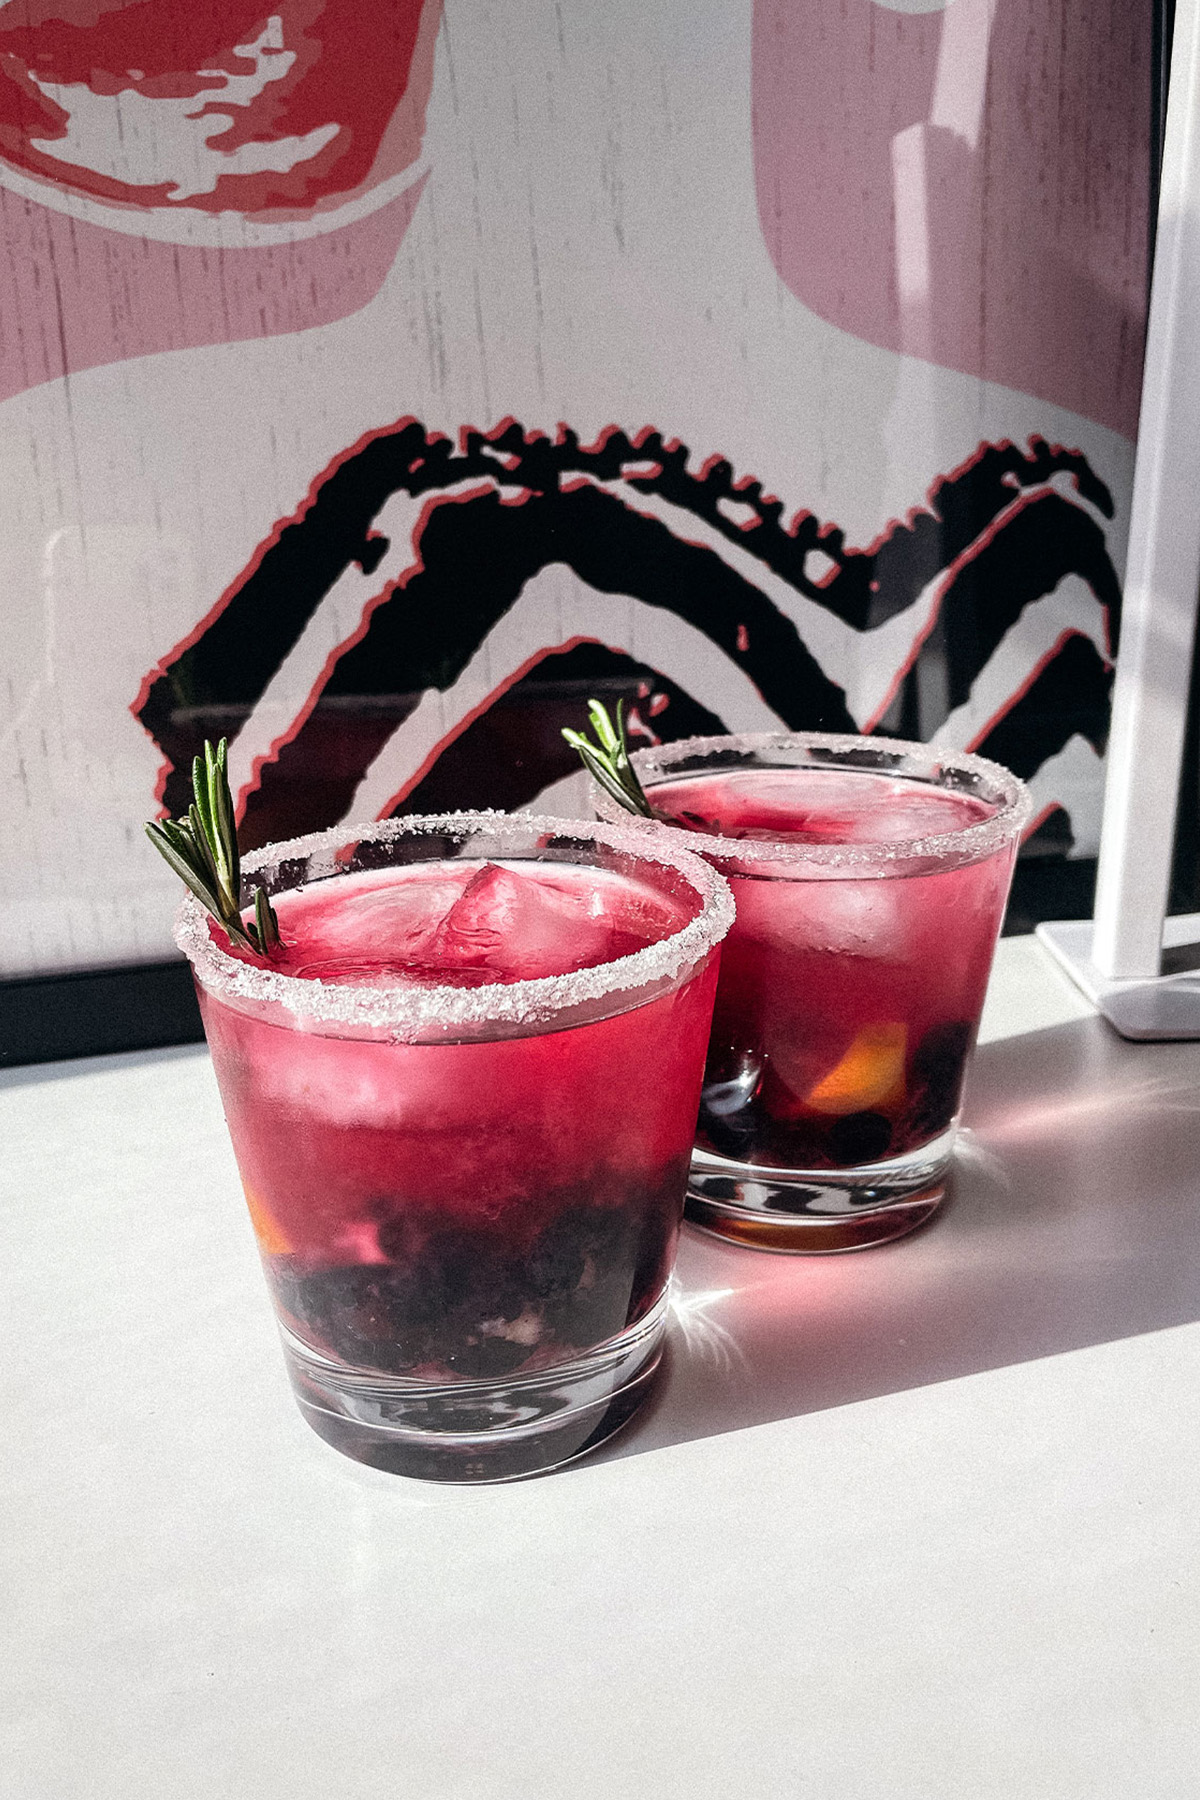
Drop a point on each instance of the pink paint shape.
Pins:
(75, 295)
(970, 185)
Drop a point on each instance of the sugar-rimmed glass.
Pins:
(853, 978)
(467, 1197)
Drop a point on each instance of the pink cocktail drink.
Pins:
(870, 881)
(473, 1208)
(462, 1100)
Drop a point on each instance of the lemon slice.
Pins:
(270, 1234)
(870, 1074)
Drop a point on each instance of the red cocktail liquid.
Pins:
(467, 1209)
(849, 998)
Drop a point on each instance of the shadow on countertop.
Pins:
(1074, 1220)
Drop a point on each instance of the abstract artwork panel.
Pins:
(379, 383)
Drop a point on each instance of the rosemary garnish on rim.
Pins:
(202, 849)
(607, 760)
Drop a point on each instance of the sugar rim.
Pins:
(407, 1012)
(969, 843)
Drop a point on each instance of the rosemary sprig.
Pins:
(202, 849)
(607, 760)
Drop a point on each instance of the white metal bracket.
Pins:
(1166, 1007)
(1128, 959)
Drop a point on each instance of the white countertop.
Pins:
(917, 1523)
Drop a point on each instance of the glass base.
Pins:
(478, 1431)
(818, 1211)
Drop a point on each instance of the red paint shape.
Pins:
(1043, 662)
(636, 726)
(710, 466)
(155, 107)
(268, 543)
(946, 581)
(295, 106)
(871, 723)
(1039, 819)
(372, 605)
(969, 185)
(643, 512)
(477, 712)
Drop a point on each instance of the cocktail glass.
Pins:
(462, 1102)
(870, 877)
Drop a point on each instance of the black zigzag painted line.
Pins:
(1068, 697)
(1000, 545)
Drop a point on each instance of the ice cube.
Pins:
(851, 918)
(510, 927)
(467, 924)
(367, 919)
(819, 806)
(351, 1084)
(909, 811)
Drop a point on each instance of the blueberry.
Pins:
(937, 1074)
(610, 1237)
(860, 1137)
(595, 1266)
(352, 1312)
(556, 1263)
(452, 1266)
(398, 1238)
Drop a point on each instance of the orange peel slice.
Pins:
(869, 1075)
(271, 1236)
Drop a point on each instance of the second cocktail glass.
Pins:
(870, 878)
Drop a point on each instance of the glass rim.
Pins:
(965, 844)
(408, 1012)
